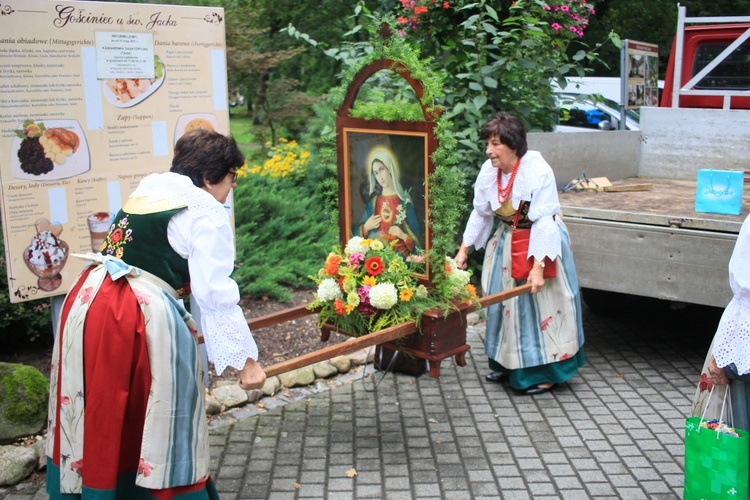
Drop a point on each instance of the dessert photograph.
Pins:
(192, 121)
(127, 92)
(49, 150)
(46, 255)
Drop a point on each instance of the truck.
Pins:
(651, 242)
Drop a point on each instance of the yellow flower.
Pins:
(349, 308)
(369, 280)
(406, 294)
(376, 245)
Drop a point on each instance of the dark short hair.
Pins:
(205, 155)
(509, 129)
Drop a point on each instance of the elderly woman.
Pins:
(389, 214)
(126, 410)
(533, 341)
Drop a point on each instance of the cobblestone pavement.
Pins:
(615, 430)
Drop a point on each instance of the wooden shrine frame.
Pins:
(408, 144)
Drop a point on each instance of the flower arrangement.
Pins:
(369, 286)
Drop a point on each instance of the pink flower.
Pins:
(86, 294)
(556, 26)
(142, 298)
(546, 322)
(356, 259)
(401, 33)
(65, 400)
(705, 383)
(574, 29)
(547, 7)
(77, 466)
(144, 468)
(507, 313)
(564, 8)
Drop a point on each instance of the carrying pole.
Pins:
(369, 340)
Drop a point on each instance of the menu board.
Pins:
(93, 97)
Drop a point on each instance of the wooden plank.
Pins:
(280, 317)
(624, 188)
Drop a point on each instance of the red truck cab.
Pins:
(701, 45)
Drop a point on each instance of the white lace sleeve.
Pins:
(210, 252)
(732, 340)
(481, 219)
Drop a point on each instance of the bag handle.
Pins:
(730, 417)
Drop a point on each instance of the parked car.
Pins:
(587, 113)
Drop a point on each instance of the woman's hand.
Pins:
(716, 374)
(373, 222)
(462, 256)
(252, 375)
(398, 233)
(536, 278)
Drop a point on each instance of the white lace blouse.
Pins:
(732, 340)
(202, 235)
(535, 181)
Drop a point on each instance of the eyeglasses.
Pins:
(234, 176)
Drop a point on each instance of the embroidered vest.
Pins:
(141, 241)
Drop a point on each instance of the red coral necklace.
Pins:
(504, 192)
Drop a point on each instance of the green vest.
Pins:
(141, 241)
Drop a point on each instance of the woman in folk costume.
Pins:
(728, 360)
(389, 214)
(534, 340)
(127, 416)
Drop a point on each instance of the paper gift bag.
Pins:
(719, 191)
(716, 464)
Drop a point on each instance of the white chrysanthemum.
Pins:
(458, 278)
(355, 245)
(329, 290)
(383, 295)
(422, 291)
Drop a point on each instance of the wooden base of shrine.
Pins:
(441, 336)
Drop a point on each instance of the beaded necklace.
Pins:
(503, 193)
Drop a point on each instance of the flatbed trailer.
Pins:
(652, 242)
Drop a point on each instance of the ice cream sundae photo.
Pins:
(47, 254)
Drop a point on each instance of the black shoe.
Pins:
(496, 377)
(536, 389)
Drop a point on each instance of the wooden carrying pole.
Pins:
(369, 340)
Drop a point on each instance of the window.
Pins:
(733, 73)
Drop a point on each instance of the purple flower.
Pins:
(364, 294)
(366, 309)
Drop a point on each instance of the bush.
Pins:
(20, 323)
(282, 234)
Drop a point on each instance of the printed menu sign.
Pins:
(93, 97)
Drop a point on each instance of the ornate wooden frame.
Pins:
(406, 135)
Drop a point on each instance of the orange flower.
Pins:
(339, 306)
(420, 10)
(402, 20)
(332, 264)
(406, 294)
(472, 291)
(447, 268)
(446, 5)
(374, 266)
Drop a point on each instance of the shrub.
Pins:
(282, 230)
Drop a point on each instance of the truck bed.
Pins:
(670, 203)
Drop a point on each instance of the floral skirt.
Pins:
(127, 417)
(533, 330)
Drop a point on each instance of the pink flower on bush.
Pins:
(547, 7)
(564, 8)
(556, 26)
